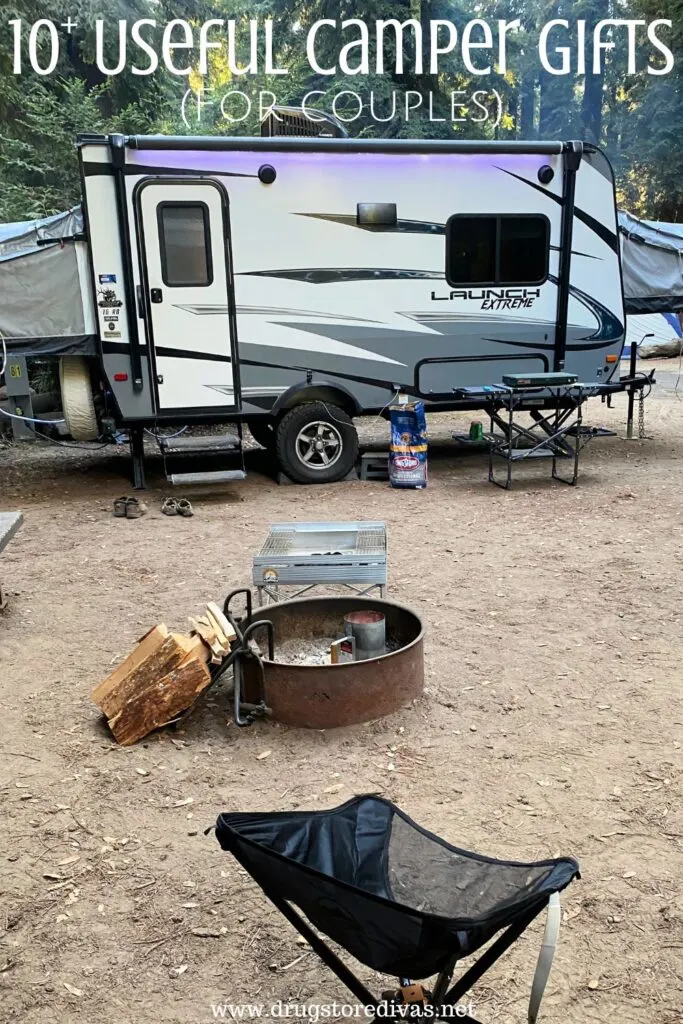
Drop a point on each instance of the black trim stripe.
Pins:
(609, 237)
(183, 353)
(330, 275)
(412, 227)
(92, 169)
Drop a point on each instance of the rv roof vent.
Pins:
(293, 121)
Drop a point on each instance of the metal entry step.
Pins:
(223, 476)
(211, 444)
(204, 458)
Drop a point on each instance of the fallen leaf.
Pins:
(179, 970)
(190, 906)
(185, 802)
(72, 989)
(206, 933)
(263, 755)
(142, 771)
(69, 860)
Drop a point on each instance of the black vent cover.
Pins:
(293, 122)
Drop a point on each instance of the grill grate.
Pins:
(302, 553)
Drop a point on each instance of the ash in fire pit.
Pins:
(309, 651)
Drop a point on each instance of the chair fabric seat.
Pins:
(395, 896)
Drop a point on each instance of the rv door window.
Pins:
(185, 244)
(505, 249)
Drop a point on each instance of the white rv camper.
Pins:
(293, 283)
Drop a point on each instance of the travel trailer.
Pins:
(294, 283)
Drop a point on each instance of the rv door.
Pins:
(186, 280)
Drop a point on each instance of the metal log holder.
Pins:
(245, 713)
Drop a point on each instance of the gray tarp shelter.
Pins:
(652, 265)
(42, 311)
(44, 289)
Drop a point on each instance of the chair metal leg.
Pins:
(328, 957)
(493, 953)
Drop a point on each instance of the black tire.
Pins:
(324, 430)
(262, 429)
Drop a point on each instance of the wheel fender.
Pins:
(318, 391)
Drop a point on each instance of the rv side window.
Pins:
(185, 244)
(507, 249)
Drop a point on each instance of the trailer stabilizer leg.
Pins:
(137, 451)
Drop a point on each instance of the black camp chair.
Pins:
(396, 897)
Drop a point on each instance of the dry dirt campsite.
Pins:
(551, 724)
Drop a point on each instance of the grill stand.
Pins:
(304, 556)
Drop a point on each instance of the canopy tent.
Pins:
(45, 306)
(652, 265)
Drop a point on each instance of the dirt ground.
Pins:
(551, 724)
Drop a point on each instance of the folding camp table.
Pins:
(399, 899)
(556, 430)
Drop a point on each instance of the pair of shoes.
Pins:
(129, 508)
(177, 507)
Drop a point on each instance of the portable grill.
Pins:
(307, 555)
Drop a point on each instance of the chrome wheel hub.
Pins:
(318, 445)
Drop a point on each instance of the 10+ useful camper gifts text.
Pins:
(358, 47)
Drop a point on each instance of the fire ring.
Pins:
(326, 696)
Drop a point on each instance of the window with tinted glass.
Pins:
(185, 244)
(503, 249)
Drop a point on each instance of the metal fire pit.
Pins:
(331, 695)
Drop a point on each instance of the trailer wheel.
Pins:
(262, 429)
(316, 443)
(77, 398)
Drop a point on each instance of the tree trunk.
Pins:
(527, 105)
(591, 107)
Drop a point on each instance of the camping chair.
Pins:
(396, 897)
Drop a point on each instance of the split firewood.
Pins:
(158, 653)
(160, 701)
(208, 635)
(223, 627)
(158, 680)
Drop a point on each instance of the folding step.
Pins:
(212, 444)
(221, 476)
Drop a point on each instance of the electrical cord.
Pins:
(29, 419)
(52, 440)
(165, 437)
(680, 362)
(379, 414)
(72, 444)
